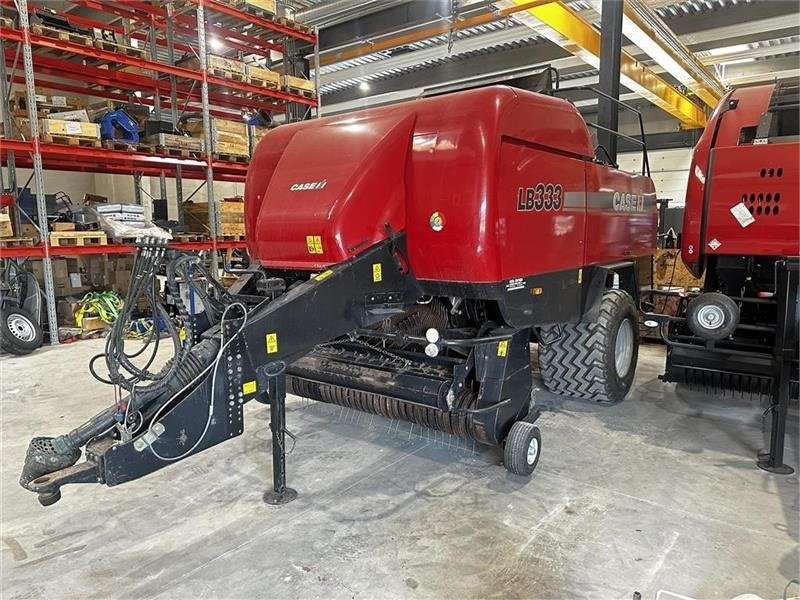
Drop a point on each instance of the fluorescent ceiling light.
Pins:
(739, 61)
(215, 44)
(728, 50)
(364, 86)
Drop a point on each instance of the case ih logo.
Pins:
(627, 202)
(311, 185)
(544, 196)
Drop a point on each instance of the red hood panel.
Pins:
(332, 191)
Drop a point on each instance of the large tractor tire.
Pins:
(596, 361)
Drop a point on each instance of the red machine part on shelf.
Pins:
(489, 185)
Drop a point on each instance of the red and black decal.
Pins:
(541, 197)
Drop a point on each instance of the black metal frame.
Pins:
(724, 361)
(642, 142)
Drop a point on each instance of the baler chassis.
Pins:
(329, 338)
(741, 364)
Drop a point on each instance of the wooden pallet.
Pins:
(61, 34)
(122, 49)
(126, 146)
(264, 83)
(189, 237)
(231, 238)
(71, 140)
(300, 92)
(15, 242)
(237, 158)
(231, 75)
(295, 25)
(78, 238)
(6, 23)
(178, 152)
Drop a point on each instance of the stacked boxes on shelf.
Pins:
(231, 216)
(78, 276)
(128, 214)
(227, 137)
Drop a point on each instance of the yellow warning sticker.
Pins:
(249, 387)
(502, 348)
(272, 343)
(314, 244)
(377, 273)
(324, 275)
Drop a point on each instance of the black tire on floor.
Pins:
(580, 359)
(523, 447)
(19, 331)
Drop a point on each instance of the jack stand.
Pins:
(785, 340)
(275, 376)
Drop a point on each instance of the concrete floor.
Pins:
(659, 492)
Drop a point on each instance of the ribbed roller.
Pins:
(453, 422)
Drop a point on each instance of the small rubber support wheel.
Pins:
(522, 448)
(712, 316)
(275, 498)
(49, 498)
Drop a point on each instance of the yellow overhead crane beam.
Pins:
(577, 36)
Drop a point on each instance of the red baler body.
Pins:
(488, 185)
(727, 171)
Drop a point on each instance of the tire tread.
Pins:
(574, 364)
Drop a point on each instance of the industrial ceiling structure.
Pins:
(382, 51)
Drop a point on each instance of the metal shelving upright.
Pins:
(159, 24)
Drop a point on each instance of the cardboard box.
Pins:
(76, 128)
(89, 324)
(27, 230)
(6, 230)
(70, 115)
(122, 282)
(62, 227)
(60, 268)
(65, 309)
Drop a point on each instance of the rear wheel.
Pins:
(19, 331)
(596, 361)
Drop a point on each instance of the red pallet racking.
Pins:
(151, 77)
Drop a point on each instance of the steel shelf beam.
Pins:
(102, 160)
(38, 250)
(123, 59)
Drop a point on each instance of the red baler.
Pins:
(407, 256)
(741, 230)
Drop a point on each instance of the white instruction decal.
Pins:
(59, 100)
(714, 244)
(72, 128)
(515, 284)
(742, 215)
